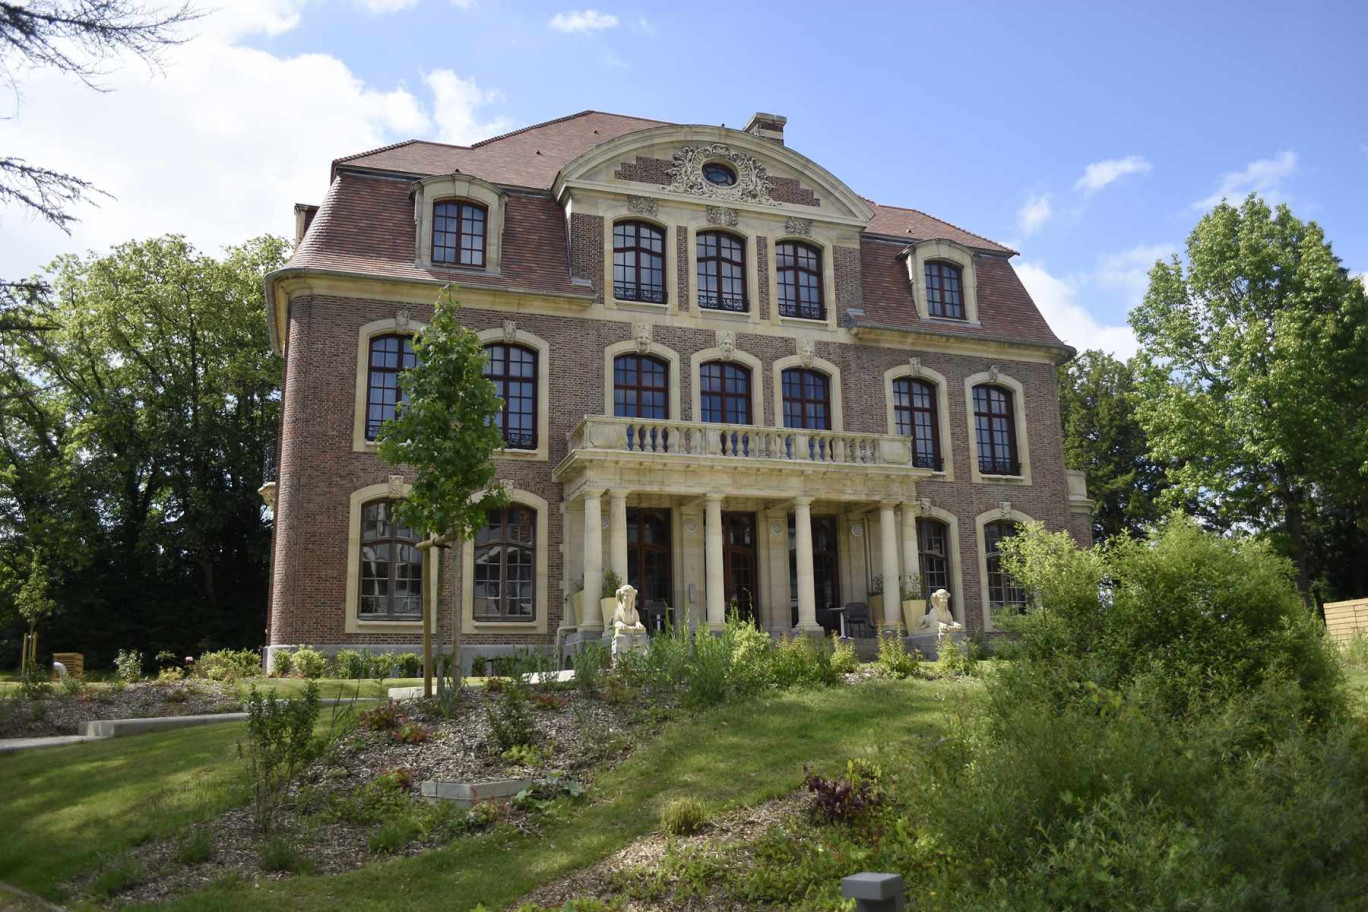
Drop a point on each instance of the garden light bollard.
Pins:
(874, 892)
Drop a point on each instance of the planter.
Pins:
(608, 607)
(577, 606)
(913, 612)
(876, 615)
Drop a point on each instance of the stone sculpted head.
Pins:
(940, 599)
(626, 613)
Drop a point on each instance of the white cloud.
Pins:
(1035, 212)
(1128, 271)
(1099, 174)
(222, 145)
(381, 7)
(583, 21)
(454, 104)
(1057, 299)
(1262, 177)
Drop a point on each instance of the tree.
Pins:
(78, 37)
(1103, 437)
(445, 431)
(1252, 372)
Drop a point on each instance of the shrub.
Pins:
(411, 733)
(894, 661)
(799, 661)
(170, 675)
(309, 662)
(708, 673)
(587, 661)
(1355, 652)
(848, 798)
(279, 743)
(195, 847)
(394, 834)
(683, 817)
(350, 664)
(523, 755)
(128, 665)
(408, 665)
(844, 660)
(477, 667)
(166, 659)
(73, 687)
(611, 583)
(34, 683)
(448, 686)
(955, 658)
(280, 854)
(228, 665)
(381, 666)
(510, 723)
(383, 717)
(548, 702)
(283, 662)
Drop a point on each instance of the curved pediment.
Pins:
(669, 161)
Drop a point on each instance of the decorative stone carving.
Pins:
(798, 226)
(690, 526)
(993, 373)
(914, 366)
(776, 528)
(510, 330)
(925, 504)
(726, 343)
(402, 318)
(939, 618)
(396, 486)
(1005, 509)
(686, 174)
(642, 205)
(629, 634)
(641, 331)
(856, 530)
(722, 215)
(807, 350)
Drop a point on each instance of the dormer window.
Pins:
(458, 233)
(719, 174)
(944, 290)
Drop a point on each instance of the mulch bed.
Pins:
(60, 713)
(576, 737)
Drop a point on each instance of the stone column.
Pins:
(892, 604)
(593, 561)
(617, 533)
(910, 549)
(712, 559)
(807, 584)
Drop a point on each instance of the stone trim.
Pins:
(543, 349)
(539, 625)
(993, 515)
(655, 350)
(941, 249)
(354, 624)
(757, 369)
(1019, 427)
(431, 190)
(401, 324)
(813, 363)
(936, 379)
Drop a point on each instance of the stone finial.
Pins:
(807, 350)
(641, 332)
(396, 486)
(402, 318)
(726, 343)
(1005, 509)
(914, 366)
(993, 373)
(510, 328)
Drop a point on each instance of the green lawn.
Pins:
(735, 755)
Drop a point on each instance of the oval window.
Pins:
(719, 174)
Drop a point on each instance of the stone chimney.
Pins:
(770, 126)
(304, 214)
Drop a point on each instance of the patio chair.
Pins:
(857, 619)
(655, 615)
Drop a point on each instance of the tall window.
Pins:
(799, 267)
(638, 262)
(648, 554)
(721, 271)
(725, 392)
(914, 415)
(458, 233)
(933, 538)
(944, 290)
(388, 356)
(505, 578)
(514, 372)
(391, 565)
(993, 423)
(1002, 592)
(641, 387)
(807, 399)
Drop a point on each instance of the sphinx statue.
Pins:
(626, 617)
(939, 616)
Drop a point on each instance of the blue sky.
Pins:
(987, 116)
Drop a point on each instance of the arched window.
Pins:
(799, 267)
(505, 578)
(641, 387)
(933, 538)
(1002, 592)
(994, 426)
(514, 372)
(725, 392)
(638, 262)
(391, 565)
(914, 413)
(944, 290)
(721, 271)
(458, 233)
(389, 355)
(807, 399)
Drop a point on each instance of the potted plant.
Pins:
(608, 603)
(913, 601)
(577, 600)
(876, 587)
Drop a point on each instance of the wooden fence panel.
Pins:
(1343, 620)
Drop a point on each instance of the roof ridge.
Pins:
(936, 218)
(556, 120)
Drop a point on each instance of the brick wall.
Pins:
(586, 249)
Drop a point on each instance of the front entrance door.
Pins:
(739, 563)
(648, 558)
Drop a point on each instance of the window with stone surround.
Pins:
(505, 569)
(944, 290)
(799, 270)
(391, 575)
(641, 387)
(458, 233)
(513, 370)
(389, 356)
(721, 271)
(995, 430)
(1003, 593)
(807, 399)
(933, 539)
(725, 393)
(914, 414)
(638, 262)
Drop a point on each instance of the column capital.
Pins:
(802, 501)
(889, 504)
(713, 498)
(593, 492)
(619, 493)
